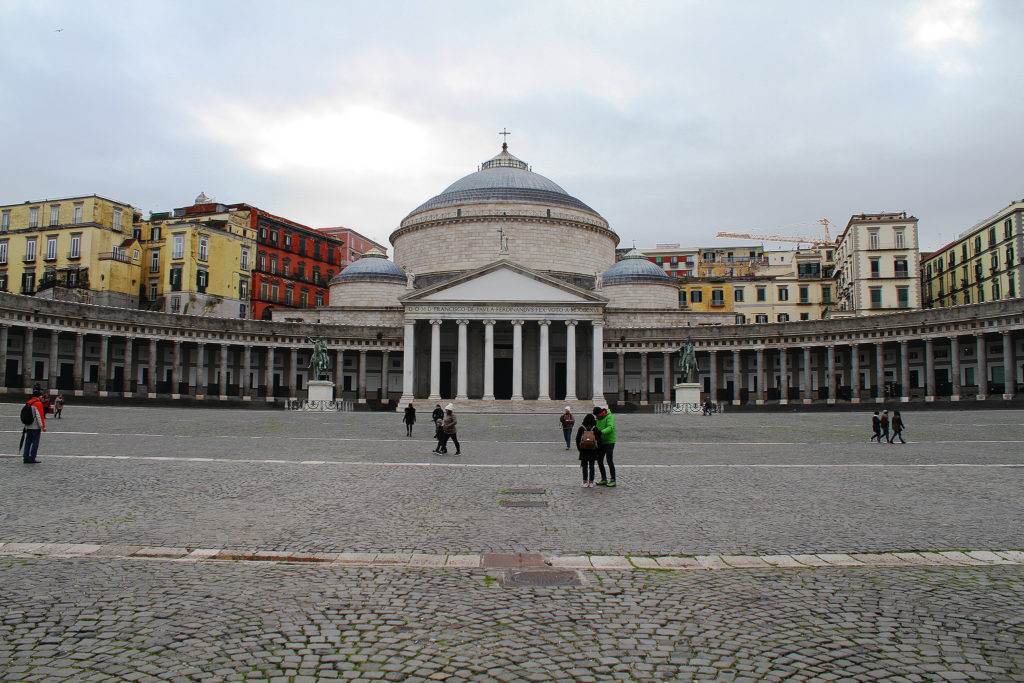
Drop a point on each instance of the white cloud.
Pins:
(940, 24)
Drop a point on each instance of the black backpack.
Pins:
(27, 418)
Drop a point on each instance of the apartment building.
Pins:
(878, 265)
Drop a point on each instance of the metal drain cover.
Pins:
(523, 503)
(523, 578)
(525, 492)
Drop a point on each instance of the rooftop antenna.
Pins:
(504, 144)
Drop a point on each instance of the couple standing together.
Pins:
(595, 442)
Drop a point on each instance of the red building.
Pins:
(353, 244)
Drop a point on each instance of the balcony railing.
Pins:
(114, 256)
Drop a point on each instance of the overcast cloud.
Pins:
(674, 120)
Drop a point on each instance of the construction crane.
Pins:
(781, 238)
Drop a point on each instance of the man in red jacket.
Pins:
(33, 431)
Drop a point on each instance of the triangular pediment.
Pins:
(504, 281)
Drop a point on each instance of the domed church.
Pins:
(504, 287)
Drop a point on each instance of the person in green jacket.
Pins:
(606, 428)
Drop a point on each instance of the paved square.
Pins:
(205, 544)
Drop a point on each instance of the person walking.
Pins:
(876, 427)
(883, 426)
(897, 427)
(437, 416)
(449, 430)
(58, 406)
(588, 443)
(34, 429)
(409, 419)
(567, 421)
(606, 451)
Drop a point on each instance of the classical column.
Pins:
(929, 370)
(361, 389)
(462, 379)
(517, 360)
(175, 371)
(807, 375)
(269, 370)
(643, 378)
(488, 360)
(880, 371)
(408, 354)
(51, 373)
(3, 358)
(666, 376)
(737, 377)
(201, 370)
(339, 373)
(570, 360)
(126, 380)
(103, 376)
(545, 354)
(243, 381)
(954, 368)
(904, 372)
(78, 373)
(223, 386)
(830, 368)
(597, 375)
(1009, 368)
(151, 383)
(783, 377)
(982, 372)
(26, 359)
(854, 373)
(713, 370)
(291, 371)
(385, 356)
(620, 368)
(759, 360)
(435, 360)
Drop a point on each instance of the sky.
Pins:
(674, 120)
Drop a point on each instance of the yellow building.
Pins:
(730, 261)
(77, 248)
(703, 295)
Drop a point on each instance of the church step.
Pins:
(506, 407)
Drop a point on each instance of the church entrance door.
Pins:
(559, 382)
(503, 378)
(446, 379)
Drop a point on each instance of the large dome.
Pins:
(634, 267)
(373, 265)
(503, 178)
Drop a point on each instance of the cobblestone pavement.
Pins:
(782, 484)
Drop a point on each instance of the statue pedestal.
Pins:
(687, 393)
(320, 390)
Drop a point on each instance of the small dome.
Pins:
(373, 265)
(634, 267)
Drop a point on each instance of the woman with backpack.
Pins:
(33, 416)
(588, 444)
(567, 421)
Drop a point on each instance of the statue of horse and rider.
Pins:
(688, 361)
(320, 361)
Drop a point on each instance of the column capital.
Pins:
(436, 322)
(518, 323)
(571, 323)
(490, 323)
(597, 323)
(543, 323)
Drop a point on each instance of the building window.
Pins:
(273, 263)
(783, 293)
(287, 240)
(154, 233)
(319, 299)
(263, 291)
(900, 267)
(288, 293)
(876, 297)
(55, 214)
(805, 295)
(243, 261)
(741, 319)
(78, 213)
(76, 245)
(204, 248)
(873, 239)
(682, 297)
(1009, 256)
(261, 261)
(273, 236)
(902, 297)
(717, 297)
(981, 294)
(783, 317)
(899, 239)
(51, 248)
(761, 318)
(274, 291)
(805, 316)
(304, 298)
(241, 310)
(762, 294)
(3, 252)
(995, 289)
(1011, 290)
(300, 270)
(154, 261)
(30, 250)
(696, 296)
(991, 237)
(301, 245)
(5, 221)
(826, 294)
(28, 282)
(1007, 228)
(977, 245)
(33, 217)
(286, 266)
(243, 289)
(154, 289)
(737, 294)
(175, 303)
(202, 280)
(179, 247)
(117, 218)
(993, 262)
(175, 279)
(875, 272)
(967, 296)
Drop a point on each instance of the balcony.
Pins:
(114, 256)
(902, 273)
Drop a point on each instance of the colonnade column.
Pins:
(126, 380)
(761, 394)
(544, 376)
(293, 362)
(904, 372)
(463, 369)
(982, 372)
(385, 371)
(1009, 368)
(713, 371)
(243, 381)
(488, 360)
(954, 368)
(517, 360)
(151, 383)
(830, 372)
(361, 378)
(223, 385)
(51, 375)
(435, 360)
(597, 376)
(102, 372)
(339, 372)
(175, 370)
(3, 358)
(620, 370)
(644, 379)
(880, 371)
(807, 375)
(202, 372)
(26, 359)
(666, 375)
(408, 354)
(783, 377)
(79, 369)
(269, 370)
(854, 373)
(737, 378)
(570, 360)
(929, 370)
